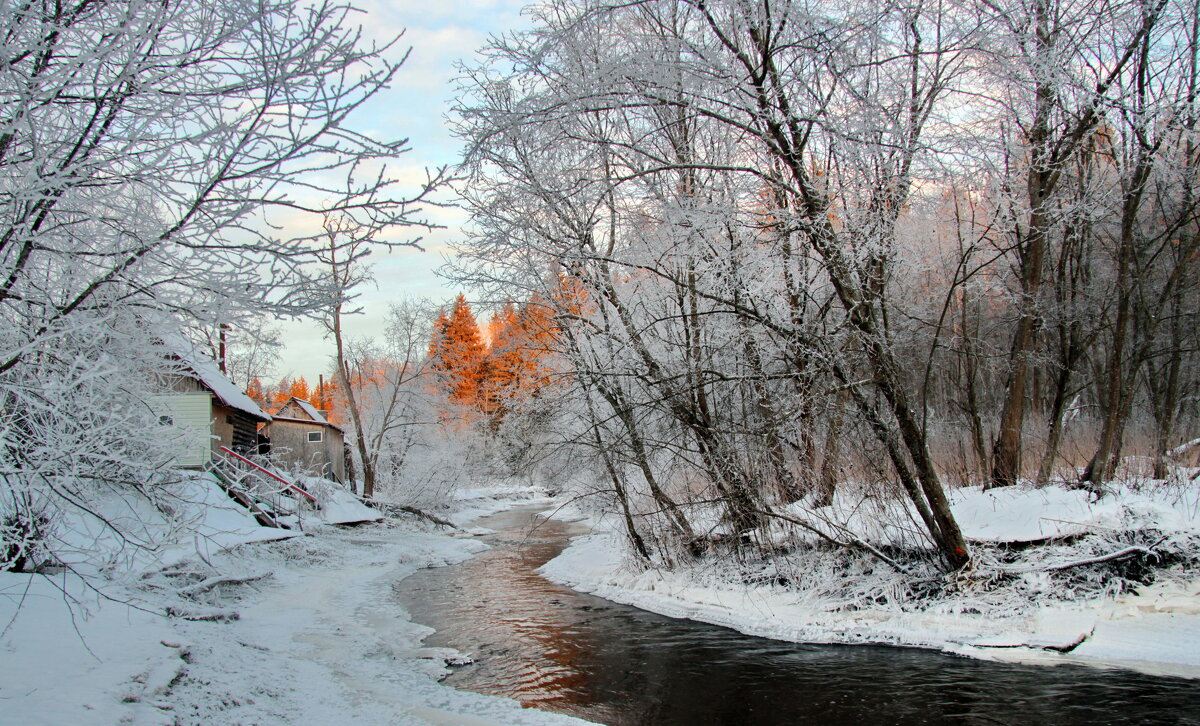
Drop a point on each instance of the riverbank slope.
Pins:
(1019, 608)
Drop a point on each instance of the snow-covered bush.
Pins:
(438, 459)
(24, 531)
(81, 452)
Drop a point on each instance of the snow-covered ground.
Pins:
(314, 635)
(1020, 610)
(305, 629)
(476, 503)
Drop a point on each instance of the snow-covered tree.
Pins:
(793, 224)
(159, 162)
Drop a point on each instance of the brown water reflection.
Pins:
(559, 650)
(509, 632)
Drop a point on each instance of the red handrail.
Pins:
(269, 473)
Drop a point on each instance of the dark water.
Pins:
(552, 648)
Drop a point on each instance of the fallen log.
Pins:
(1060, 566)
(215, 615)
(389, 508)
(212, 582)
(1102, 558)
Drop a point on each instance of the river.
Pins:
(556, 649)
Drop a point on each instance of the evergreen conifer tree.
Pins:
(459, 356)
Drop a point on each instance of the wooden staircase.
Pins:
(260, 488)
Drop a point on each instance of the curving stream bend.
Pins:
(559, 650)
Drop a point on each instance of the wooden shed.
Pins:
(207, 406)
(302, 438)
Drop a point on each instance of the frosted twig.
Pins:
(1126, 552)
(211, 582)
(853, 543)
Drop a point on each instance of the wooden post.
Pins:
(221, 329)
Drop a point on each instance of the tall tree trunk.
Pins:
(786, 484)
(1058, 407)
(623, 410)
(614, 476)
(1118, 391)
(831, 466)
(366, 460)
(1006, 452)
(1039, 184)
(887, 437)
(690, 411)
(341, 272)
(641, 457)
(1073, 273)
(1048, 155)
(970, 358)
(1165, 393)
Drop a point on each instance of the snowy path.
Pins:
(331, 644)
(320, 642)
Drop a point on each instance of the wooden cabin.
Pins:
(213, 412)
(302, 438)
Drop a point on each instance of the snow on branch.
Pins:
(212, 582)
(853, 542)
(1183, 448)
(1058, 567)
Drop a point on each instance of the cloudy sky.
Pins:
(439, 33)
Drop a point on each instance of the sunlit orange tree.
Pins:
(496, 374)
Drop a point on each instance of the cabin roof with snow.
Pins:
(210, 376)
(303, 412)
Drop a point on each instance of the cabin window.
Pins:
(314, 437)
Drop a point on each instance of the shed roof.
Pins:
(309, 410)
(209, 374)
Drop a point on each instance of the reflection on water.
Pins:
(559, 650)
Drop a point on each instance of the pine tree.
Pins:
(287, 388)
(256, 393)
(505, 318)
(458, 355)
(300, 389)
(280, 393)
(520, 356)
(504, 358)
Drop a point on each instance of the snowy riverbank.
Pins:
(1152, 628)
(318, 639)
